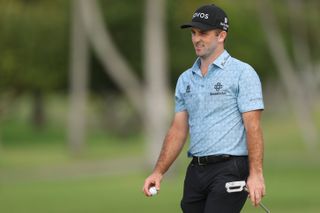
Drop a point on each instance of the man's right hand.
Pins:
(153, 180)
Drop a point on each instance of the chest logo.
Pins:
(188, 90)
(218, 86)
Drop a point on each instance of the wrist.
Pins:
(256, 171)
(256, 176)
(255, 167)
(158, 172)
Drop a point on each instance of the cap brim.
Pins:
(198, 25)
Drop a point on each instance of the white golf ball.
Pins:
(153, 191)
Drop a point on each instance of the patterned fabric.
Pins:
(215, 103)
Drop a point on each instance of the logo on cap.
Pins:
(208, 17)
(201, 15)
(225, 24)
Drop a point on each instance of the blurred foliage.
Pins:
(34, 39)
(34, 44)
(124, 20)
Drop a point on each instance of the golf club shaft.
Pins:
(264, 207)
(260, 204)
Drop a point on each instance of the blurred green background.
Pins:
(45, 168)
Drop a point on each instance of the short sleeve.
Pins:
(250, 92)
(179, 100)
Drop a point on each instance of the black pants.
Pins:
(204, 187)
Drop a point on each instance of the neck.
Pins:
(206, 61)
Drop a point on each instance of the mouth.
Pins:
(198, 47)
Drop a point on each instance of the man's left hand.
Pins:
(256, 188)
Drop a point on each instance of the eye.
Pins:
(203, 33)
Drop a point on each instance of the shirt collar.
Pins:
(196, 67)
(222, 59)
(219, 62)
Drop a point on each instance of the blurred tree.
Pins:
(34, 45)
(303, 61)
(78, 81)
(113, 62)
(33, 49)
(151, 99)
(156, 90)
(289, 67)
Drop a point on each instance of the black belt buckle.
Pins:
(199, 161)
(225, 157)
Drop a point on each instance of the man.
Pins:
(219, 100)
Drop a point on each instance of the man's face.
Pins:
(204, 42)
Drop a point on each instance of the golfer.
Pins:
(219, 102)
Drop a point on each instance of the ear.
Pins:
(222, 36)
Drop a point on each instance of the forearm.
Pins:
(255, 149)
(255, 182)
(172, 146)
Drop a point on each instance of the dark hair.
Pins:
(218, 31)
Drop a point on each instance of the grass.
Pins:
(288, 191)
(107, 194)
(37, 173)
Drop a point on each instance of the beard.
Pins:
(204, 51)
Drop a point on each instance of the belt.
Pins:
(204, 160)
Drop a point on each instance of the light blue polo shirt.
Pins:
(215, 103)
